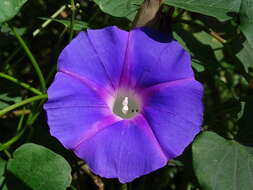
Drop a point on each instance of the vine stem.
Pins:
(8, 154)
(14, 139)
(24, 102)
(32, 59)
(20, 83)
(21, 121)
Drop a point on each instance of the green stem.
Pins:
(14, 139)
(7, 65)
(129, 186)
(24, 102)
(47, 22)
(73, 9)
(32, 59)
(8, 154)
(123, 187)
(22, 84)
(20, 121)
(33, 118)
(16, 51)
(35, 112)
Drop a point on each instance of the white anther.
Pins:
(125, 101)
(125, 105)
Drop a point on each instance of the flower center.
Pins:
(126, 105)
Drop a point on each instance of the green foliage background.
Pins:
(219, 37)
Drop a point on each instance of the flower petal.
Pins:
(156, 58)
(72, 108)
(68, 124)
(96, 55)
(124, 150)
(110, 43)
(67, 91)
(174, 111)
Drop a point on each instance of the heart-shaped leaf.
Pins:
(222, 9)
(119, 8)
(221, 164)
(245, 55)
(39, 168)
(246, 20)
(9, 8)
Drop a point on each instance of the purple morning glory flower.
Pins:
(125, 102)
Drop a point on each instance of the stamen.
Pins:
(125, 105)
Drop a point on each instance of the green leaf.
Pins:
(5, 100)
(2, 171)
(245, 55)
(77, 25)
(9, 8)
(1, 181)
(220, 164)
(2, 167)
(4, 28)
(39, 168)
(222, 9)
(197, 66)
(120, 8)
(246, 20)
(204, 50)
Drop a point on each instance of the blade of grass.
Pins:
(21, 121)
(47, 22)
(24, 102)
(32, 59)
(20, 83)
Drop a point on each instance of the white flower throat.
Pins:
(126, 105)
